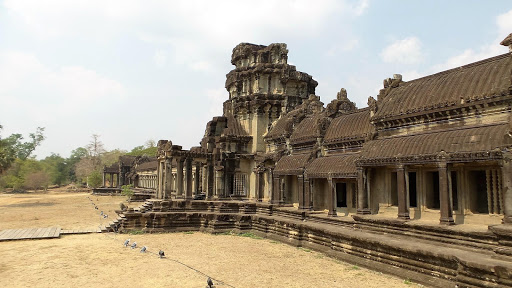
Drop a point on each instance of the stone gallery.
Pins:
(417, 184)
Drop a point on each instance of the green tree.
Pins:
(111, 157)
(74, 158)
(57, 168)
(12, 147)
(95, 179)
(141, 151)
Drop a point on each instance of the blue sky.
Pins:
(131, 71)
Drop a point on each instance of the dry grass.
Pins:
(100, 260)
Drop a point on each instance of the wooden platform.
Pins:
(30, 233)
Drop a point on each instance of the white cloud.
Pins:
(361, 7)
(504, 25)
(345, 46)
(201, 66)
(405, 51)
(160, 58)
(31, 84)
(470, 56)
(411, 75)
(216, 98)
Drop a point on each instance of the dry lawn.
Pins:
(100, 260)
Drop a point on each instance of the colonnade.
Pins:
(148, 181)
(184, 183)
(111, 181)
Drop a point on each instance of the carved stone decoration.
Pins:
(161, 147)
(322, 124)
(388, 85)
(372, 104)
(507, 42)
(342, 95)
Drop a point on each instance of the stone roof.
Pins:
(287, 123)
(470, 143)
(292, 164)
(336, 166)
(283, 126)
(475, 81)
(127, 160)
(349, 127)
(309, 128)
(235, 128)
(114, 168)
(147, 166)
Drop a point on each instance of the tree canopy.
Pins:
(12, 147)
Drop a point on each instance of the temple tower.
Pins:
(262, 87)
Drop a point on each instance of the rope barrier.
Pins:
(146, 250)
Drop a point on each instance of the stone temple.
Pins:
(417, 184)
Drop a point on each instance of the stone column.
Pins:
(219, 183)
(188, 170)
(506, 174)
(179, 176)
(362, 192)
(120, 181)
(228, 183)
(307, 194)
(210, 181)
(204, 178)
(160, 180)
(403, 210)
(332, 198)
(276, 189)
(257, 184)
(104, 183)
(270, 184)
(197, 179)
(300, 184)
(166, 193)
(444, 195)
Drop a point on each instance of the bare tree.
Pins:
(95, 147)
(37, 180)
(150, 143)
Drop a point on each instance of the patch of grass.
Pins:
(189, 232)
(275, 242)
(407, 281)
(319, 256)
(250, 235)
(136, 232)
(355, 267)
(304, 249)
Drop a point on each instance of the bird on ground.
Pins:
(161, 254)
(134, 245)
(209, 282)
(143, 250)
(105, 216)
(96, 207)
(126, 243)
(101, 213)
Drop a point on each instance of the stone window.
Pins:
(239, 184)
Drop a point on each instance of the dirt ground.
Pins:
(95, 260)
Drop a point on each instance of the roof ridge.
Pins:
(469, 65)
(446, 130)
